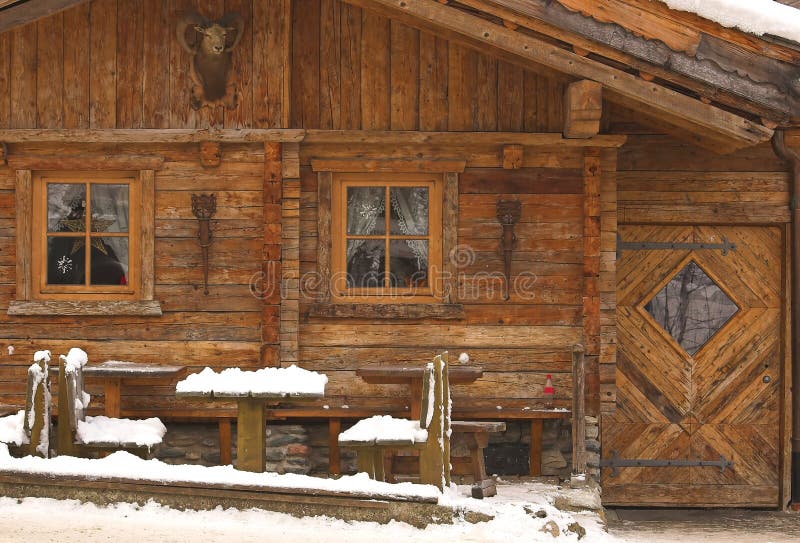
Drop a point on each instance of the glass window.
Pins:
(84, 235)
(387, 235)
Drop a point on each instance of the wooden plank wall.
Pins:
(220, 330)
(117, 64)
(352, 69)
(517, 342)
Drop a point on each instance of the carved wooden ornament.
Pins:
(508, 214)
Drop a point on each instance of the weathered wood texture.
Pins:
(353, 69)
(664, 186)
(117, 64)
(232, 326)
(516, 342)
(723, 400)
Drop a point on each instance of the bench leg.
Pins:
(225, 442)
(536, 448)
(334, 458)
(483, 485)
(370, 460)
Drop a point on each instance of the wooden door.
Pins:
(699, 368)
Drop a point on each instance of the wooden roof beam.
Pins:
(728, 131)
(23, 12)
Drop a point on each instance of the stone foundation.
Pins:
(303, 448)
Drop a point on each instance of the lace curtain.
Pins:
(366, 215)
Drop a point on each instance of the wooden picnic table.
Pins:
(111, 374)
(412, 376)
(251, 402)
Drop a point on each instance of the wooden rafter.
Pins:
(706, 64)
(726, 131)
(21, 12)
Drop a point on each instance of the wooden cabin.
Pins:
(609, 173)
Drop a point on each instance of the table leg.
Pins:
(536, 448)
(225, 442)
(113, 397)
(334, 459)
(251, 435)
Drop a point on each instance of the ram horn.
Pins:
(190, 19)
(235, 21)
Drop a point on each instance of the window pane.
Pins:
(66, 207)
(109, 208)
(691, 308)
(66, 261)
(366, 211)
(366, 260)
(409, 214)
(109, 261)
(408, 263)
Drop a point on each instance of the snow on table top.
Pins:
(122, 464)
(755, 16)
(384, 428)
(234, 382)
(144, 433)
(12, 429)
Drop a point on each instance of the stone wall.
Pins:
(303, 448)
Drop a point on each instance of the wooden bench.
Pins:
(28, 430)
(374, 437)
(79, 435)
(435, 416)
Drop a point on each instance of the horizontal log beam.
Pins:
(678, 109)
(455, 138)
(177, 135)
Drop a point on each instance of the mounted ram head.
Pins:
(210, 43)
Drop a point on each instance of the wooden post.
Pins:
(251, 435)
(224, 426)
(535, 460)
(431, 458)
(334, 459)
(578, 411)
(38, 402)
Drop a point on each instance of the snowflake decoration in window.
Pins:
(369, 210)
(64, 265)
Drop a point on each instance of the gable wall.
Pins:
(118, 64)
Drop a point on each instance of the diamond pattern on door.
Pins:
(699, 368)
(691, 307)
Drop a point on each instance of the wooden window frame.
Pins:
(443, 306)
(31, 300)
(339, 237)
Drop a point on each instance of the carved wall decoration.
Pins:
(203, 207)
(211, 44)
(508, 214)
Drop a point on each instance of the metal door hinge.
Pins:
(616, 462)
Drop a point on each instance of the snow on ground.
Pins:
(125, 465)
(38, 520)
(755, 16)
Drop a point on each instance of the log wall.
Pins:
(516, 342)
(221, 329)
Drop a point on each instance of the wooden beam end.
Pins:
(512, 157)
(210, 154)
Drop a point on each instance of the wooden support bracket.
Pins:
(583, 109)
(513, 156)
(210, 154)
(3, 154)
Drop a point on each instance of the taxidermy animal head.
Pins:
(210, 43)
